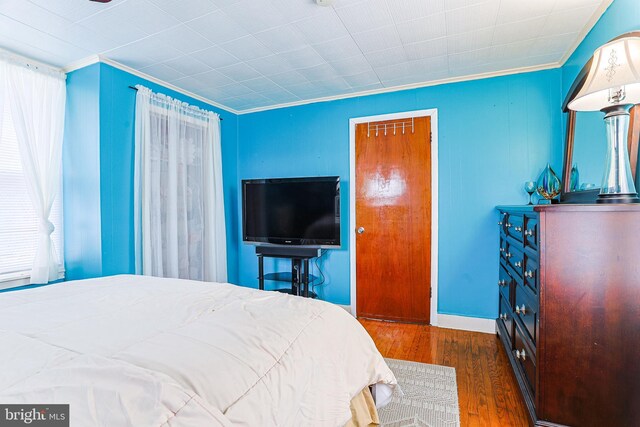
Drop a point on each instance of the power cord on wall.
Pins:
(322, 278)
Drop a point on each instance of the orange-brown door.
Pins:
(393, 220)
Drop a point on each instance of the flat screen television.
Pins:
(292, 211)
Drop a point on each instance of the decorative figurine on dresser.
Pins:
(569, 273)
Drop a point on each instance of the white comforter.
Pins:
(141, 351)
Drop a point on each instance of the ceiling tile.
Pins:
(322, 28)
(209, 47)
(518, 31)
(215, 57)
(422, 29)
(337, 49)
(153, 49)
(217, 27)
(518, 10)
(183, 39)
(282, 39)
(470, 41)
(428, 49)
(188, 65)
(163, 72)
(469, 59)
(362, 17)
(296, 10)
(408, 10)
(378, 39)
(351, 66)
(554, 44)
(261, 84)
(387, 57)
(567, 21)
(268, 65)
(318, 72)
(511, 50)
(302, 58)
(288, 78)
(239, 72)
(472, 18)
(362, 79)
(75, 12)
(255, 16)
(213, 78)
(185, 10)
(246, 48)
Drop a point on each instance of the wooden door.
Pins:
(393, 220)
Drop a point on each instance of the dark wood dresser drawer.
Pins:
(531, 232)
(525, 357)
(515, 227)
(505, 283)
(515, 258)
(526, 310)
(506, 317)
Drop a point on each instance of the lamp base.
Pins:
(618, 198)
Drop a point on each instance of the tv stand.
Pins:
(299, 266)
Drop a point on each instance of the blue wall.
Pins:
(104, 164)
(494, 134)
(81, 175)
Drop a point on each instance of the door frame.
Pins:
(433, 114)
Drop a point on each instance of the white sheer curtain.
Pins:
(179, 205)
(37, 100)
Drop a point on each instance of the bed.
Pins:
(142, 351)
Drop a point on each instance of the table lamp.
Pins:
(613, 87)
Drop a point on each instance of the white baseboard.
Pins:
(474, 324)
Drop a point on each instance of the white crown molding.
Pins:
(585, 30)
(84, 62)
(407, 87)
(99, 58)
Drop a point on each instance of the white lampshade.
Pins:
(615, 65)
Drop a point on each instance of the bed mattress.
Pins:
(142, 351)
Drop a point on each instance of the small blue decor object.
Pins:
(548, 184)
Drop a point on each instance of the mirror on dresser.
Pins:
(585, 147)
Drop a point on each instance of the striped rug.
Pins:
(429, 396)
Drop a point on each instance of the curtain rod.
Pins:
(136, 89)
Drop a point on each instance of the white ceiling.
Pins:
(247, 54)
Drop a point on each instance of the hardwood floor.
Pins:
(487, 390)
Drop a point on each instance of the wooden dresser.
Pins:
(569, 311)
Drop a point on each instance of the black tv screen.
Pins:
(292, 211)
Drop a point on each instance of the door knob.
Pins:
(360, 230)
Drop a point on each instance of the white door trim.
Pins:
(433, 113)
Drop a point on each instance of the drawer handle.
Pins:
(503, 316)
(508, 255)
(502, 282)
(529, 274)
(499, 222)
(521, 310)
(520, 354)
(518, 263)
(501, 249)
(528, 233)
(518, 228)
(508, 225)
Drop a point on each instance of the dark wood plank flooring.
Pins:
(487, 390)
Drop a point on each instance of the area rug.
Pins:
(429, 396)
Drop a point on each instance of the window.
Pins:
(18, 221)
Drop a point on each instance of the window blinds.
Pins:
(18, 221)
